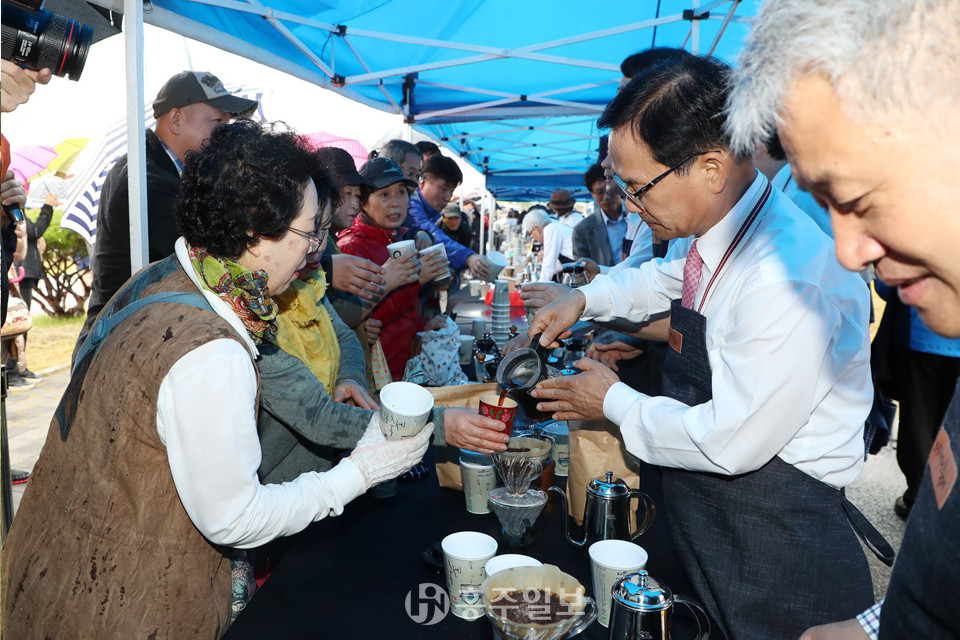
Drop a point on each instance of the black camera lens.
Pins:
(45, 40)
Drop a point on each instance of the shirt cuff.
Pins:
(618, 399)
(604, 269)
(870, 620)
(596, 300)
(346, 481)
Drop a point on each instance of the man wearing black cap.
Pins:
(189, 106)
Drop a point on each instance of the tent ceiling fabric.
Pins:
(486, 79)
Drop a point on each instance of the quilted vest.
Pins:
(101, 546)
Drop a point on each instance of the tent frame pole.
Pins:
(136, 135)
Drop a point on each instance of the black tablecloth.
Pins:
(350, 576)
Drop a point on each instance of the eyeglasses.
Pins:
(315, 238)
(636, 195)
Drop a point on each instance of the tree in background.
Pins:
(65, 287)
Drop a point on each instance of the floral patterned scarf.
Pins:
(244, 290)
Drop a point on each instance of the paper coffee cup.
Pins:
(560, 432)
(465, 555)
(404, 410)
(402, 248)
(466, 349)
(496, 261)
(437, 248)
(610, 560)
(478, 481)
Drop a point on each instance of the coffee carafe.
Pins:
(520, 371)
(607, 512)
(642, 607)
(574, 275)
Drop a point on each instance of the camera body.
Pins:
(33, 38)
(15, 213)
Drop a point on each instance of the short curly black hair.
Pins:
(246, 182)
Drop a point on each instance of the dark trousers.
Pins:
(925, 386)
(27, 285)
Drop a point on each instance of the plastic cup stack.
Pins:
(500, 312)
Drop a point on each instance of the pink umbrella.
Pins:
(27, 162)
(354, 148)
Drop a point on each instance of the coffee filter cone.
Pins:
(545, 577)
(521, 462)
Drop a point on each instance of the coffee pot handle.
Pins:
(541, 350)
(649, 511)
(588, 616)
(703, 620)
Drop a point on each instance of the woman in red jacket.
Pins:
(383, 207)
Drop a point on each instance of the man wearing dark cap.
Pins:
(561, 203)
(188, 107)
(455, 224)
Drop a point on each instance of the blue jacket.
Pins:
(422, 213)
(921, 338)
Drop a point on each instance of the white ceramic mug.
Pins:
(610, 560)
(404, 410)
(465, 555)
(437, 248)
(478, 481)
(402, 248)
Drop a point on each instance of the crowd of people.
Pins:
(224, 397)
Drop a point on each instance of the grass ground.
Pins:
(50, 342)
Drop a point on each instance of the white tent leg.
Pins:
(136, 142)
(492, 209)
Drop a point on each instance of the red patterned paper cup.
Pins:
(489, 406)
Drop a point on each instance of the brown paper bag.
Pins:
(468, 397)
(595, 448)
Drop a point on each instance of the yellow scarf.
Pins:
(305, 330)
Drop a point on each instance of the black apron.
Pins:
(770, 552)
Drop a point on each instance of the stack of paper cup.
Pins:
(500, 312)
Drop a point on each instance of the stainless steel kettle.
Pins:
(642, 609)
(607, 512)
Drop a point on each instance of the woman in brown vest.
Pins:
(146, 491)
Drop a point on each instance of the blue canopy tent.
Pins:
(513, 88)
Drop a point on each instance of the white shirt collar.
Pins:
(714, 243)
(220, 307)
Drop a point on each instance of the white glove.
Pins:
(373, 433)
(382, 460)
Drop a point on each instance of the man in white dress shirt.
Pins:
(863, 95)
(767, 378)
(557, 241)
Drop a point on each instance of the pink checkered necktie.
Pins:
(692, 269)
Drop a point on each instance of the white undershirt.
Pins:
(206, 419)
(787, 343)
(557, 239)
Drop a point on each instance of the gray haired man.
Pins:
(863, 94)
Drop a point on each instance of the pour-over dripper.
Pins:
(517, 513)
(523, 581)
(521, 463)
